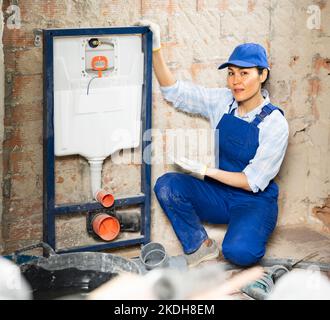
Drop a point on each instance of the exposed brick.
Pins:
(19, 209)
(314, 87)
(320, 62)
(29, 61)
(151, 6)
(50, 9)
(323, 214)
(59, 180)
(25, 186)
(72, 186)
(10, 60)
(12, 139)
(251, 5)
(199, 5)
(17, 230)
(24, 230)
(13, 245)
(27, 133)
(16, 162)
(27, 89)
(314, 90)
(321, 3)
(172, 7)
(223, 5)
(23, 162)
(197, 68)
(168, 48)
(21, 113)
(18, 38)
(8, 86)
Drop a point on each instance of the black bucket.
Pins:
(72, 275)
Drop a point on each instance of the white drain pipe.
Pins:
(95, 167)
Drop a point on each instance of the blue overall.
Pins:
(251, 217)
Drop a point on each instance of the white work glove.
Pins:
(154, 27)
(194, 168)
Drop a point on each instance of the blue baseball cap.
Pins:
(247, 55)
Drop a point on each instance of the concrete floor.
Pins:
(287, 242)
(297, 241)
(292, 242)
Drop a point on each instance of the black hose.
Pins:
(90, 83)
(268, 262)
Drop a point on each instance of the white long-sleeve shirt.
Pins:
(213, 103)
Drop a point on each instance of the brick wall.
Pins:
(197, 35)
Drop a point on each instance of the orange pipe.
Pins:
(105, 226)
(105, 198)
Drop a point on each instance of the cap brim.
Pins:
(237, 63)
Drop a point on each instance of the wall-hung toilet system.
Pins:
(97, 101)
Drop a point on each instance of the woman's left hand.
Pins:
(194, 168)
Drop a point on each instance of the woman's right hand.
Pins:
(154, 27)
(163, 73)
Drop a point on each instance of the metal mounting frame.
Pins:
(50, 209)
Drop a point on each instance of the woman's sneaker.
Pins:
(204, 253)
